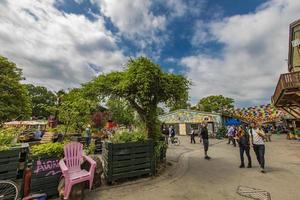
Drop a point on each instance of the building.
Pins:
(185, 120)
(287, 93)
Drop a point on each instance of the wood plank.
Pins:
(131, 162)
(129, 169)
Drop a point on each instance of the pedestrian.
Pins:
(165, 132)
(172, 133)
(87, 135)
(204, 136)
(193, 136)
(243, 139)
(231, 134)
(257, 138)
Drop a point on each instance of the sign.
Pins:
(296, 43)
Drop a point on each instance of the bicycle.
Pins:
(175, 141)
(8, 190)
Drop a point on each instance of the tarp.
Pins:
(233, 122)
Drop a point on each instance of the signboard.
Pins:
(296, 43)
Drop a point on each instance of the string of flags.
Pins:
(261, 114)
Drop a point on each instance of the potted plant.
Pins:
(45, 169)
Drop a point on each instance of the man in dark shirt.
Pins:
(204, 136)
(244, 144)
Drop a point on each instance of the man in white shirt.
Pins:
(257, 138)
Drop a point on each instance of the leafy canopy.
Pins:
(14, 98)
(215, 103)
(143, 85)
(121, 111)
(75, 110)
(42, 100)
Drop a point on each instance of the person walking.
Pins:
(173, 133)
(87, 135)
(193, 136)
(204, 136)
(231, 135)
(257, 138)
(243, 139)
(165, 132)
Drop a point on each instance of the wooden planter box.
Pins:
(45, 177)
(126, 160)
(9, 162)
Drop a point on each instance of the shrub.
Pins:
(123, 137)
(48, 150)
(221, 133)
(8, 137)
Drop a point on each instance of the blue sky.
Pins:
(236, 48)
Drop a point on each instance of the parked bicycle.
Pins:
(8, 190)
(174, 140)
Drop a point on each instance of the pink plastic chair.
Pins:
(71, 170)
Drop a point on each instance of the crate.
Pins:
(45, 177)
(127, 160)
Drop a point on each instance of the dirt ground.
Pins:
(192, 177)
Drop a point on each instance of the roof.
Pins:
(189, 116)
(12, 123)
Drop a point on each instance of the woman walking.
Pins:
(257, 138)
(243, 139)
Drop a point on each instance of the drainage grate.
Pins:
(253, 193)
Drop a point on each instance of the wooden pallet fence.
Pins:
(45, 177)
(9, 162)
(126, 160)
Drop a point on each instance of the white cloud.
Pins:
(55, 48)
(255, 49)
(135, 21)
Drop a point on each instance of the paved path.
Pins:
(192, 177)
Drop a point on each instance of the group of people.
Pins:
(249, 136)
(168, 131)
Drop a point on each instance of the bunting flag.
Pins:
(260, 114)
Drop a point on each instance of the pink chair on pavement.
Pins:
(71, 170)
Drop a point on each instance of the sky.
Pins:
(236, 48)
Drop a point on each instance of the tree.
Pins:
(215, 103)
(14, 98)
(121, 111)
(143, 85)
(75, 110)
(42, 100)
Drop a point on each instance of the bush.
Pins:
(123, 137)
(221, 133)
(48, 150)
(8, 137)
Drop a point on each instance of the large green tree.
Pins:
(75, 110)
(121, 111)
(42, 100)
(215, 103)
(14, 98)
(143, 85)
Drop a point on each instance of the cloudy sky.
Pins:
(236, 48)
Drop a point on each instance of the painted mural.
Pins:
(189, 116)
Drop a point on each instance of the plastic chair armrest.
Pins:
(63, 167)
(91, 161)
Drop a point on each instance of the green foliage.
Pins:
(221, 133)
(90, 149)
(123, 137)
(217, 103)
(48, 150)
(8, 137)
(75, 110)
(121, 111)
(143, 85)
(160, 148)
(14, 98)
(42, 100)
